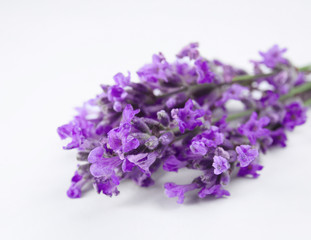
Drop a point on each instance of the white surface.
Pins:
(54, 55)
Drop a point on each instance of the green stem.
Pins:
(242, 78)
(235, 116)
(297, 90)
(173, 92)
(308, 102)
(300, 89)
(306, 68)
(248, 112)
(250, 77)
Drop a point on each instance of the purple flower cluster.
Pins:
(177, 116)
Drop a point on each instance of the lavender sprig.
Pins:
(178, 116)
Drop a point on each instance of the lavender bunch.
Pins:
(179, 116)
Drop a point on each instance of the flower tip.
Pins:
(74, 193)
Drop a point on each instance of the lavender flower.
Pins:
(119, 138)
(172, 164)
(76, 184)
(155, 71)
(190, 51)
(186, 117)
(220, 164)
(235, 91)
(269, 98)
(246, 154)
(210, 138)
(106, 186)
(250, 170)
(198, 147)
(143, 161)
(79, 130)
(205, 75)
(173, 190)
(215, 190)
(295, 115)
(254, 129)
(273, 56)
(176, 118)
(278, 137)
(121, 80)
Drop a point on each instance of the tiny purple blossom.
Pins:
(253, 128)
(129, 143)
(301, 79)
(121, 80)
(107, 186)
(186, 117)
(295, 115)
(210, 138)
(215, 190)
(265, 143)
(76, 178)
(251, 169)
(190, 51)
(127, 166)
(282, 81)
(257, 69)
(219, 151)
(246, 154)
(102, 129)
(275, 112)
(198, 147)
(269, 98)
(155, 71)
(74, 191)
(119, 138)
(220, 165)
(77, 183)
(235, 92)
(102, 166)
(105, 168)
(143, 161)
(205, 75)
(278, 137)
(116, 93)
(174, 190)
(96, 155)
(166, 138)
(78, 130)
(172, 164)
(273, 57)
(128, 113)
(142, 179)
(163, 117)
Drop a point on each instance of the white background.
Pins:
(54, 55)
